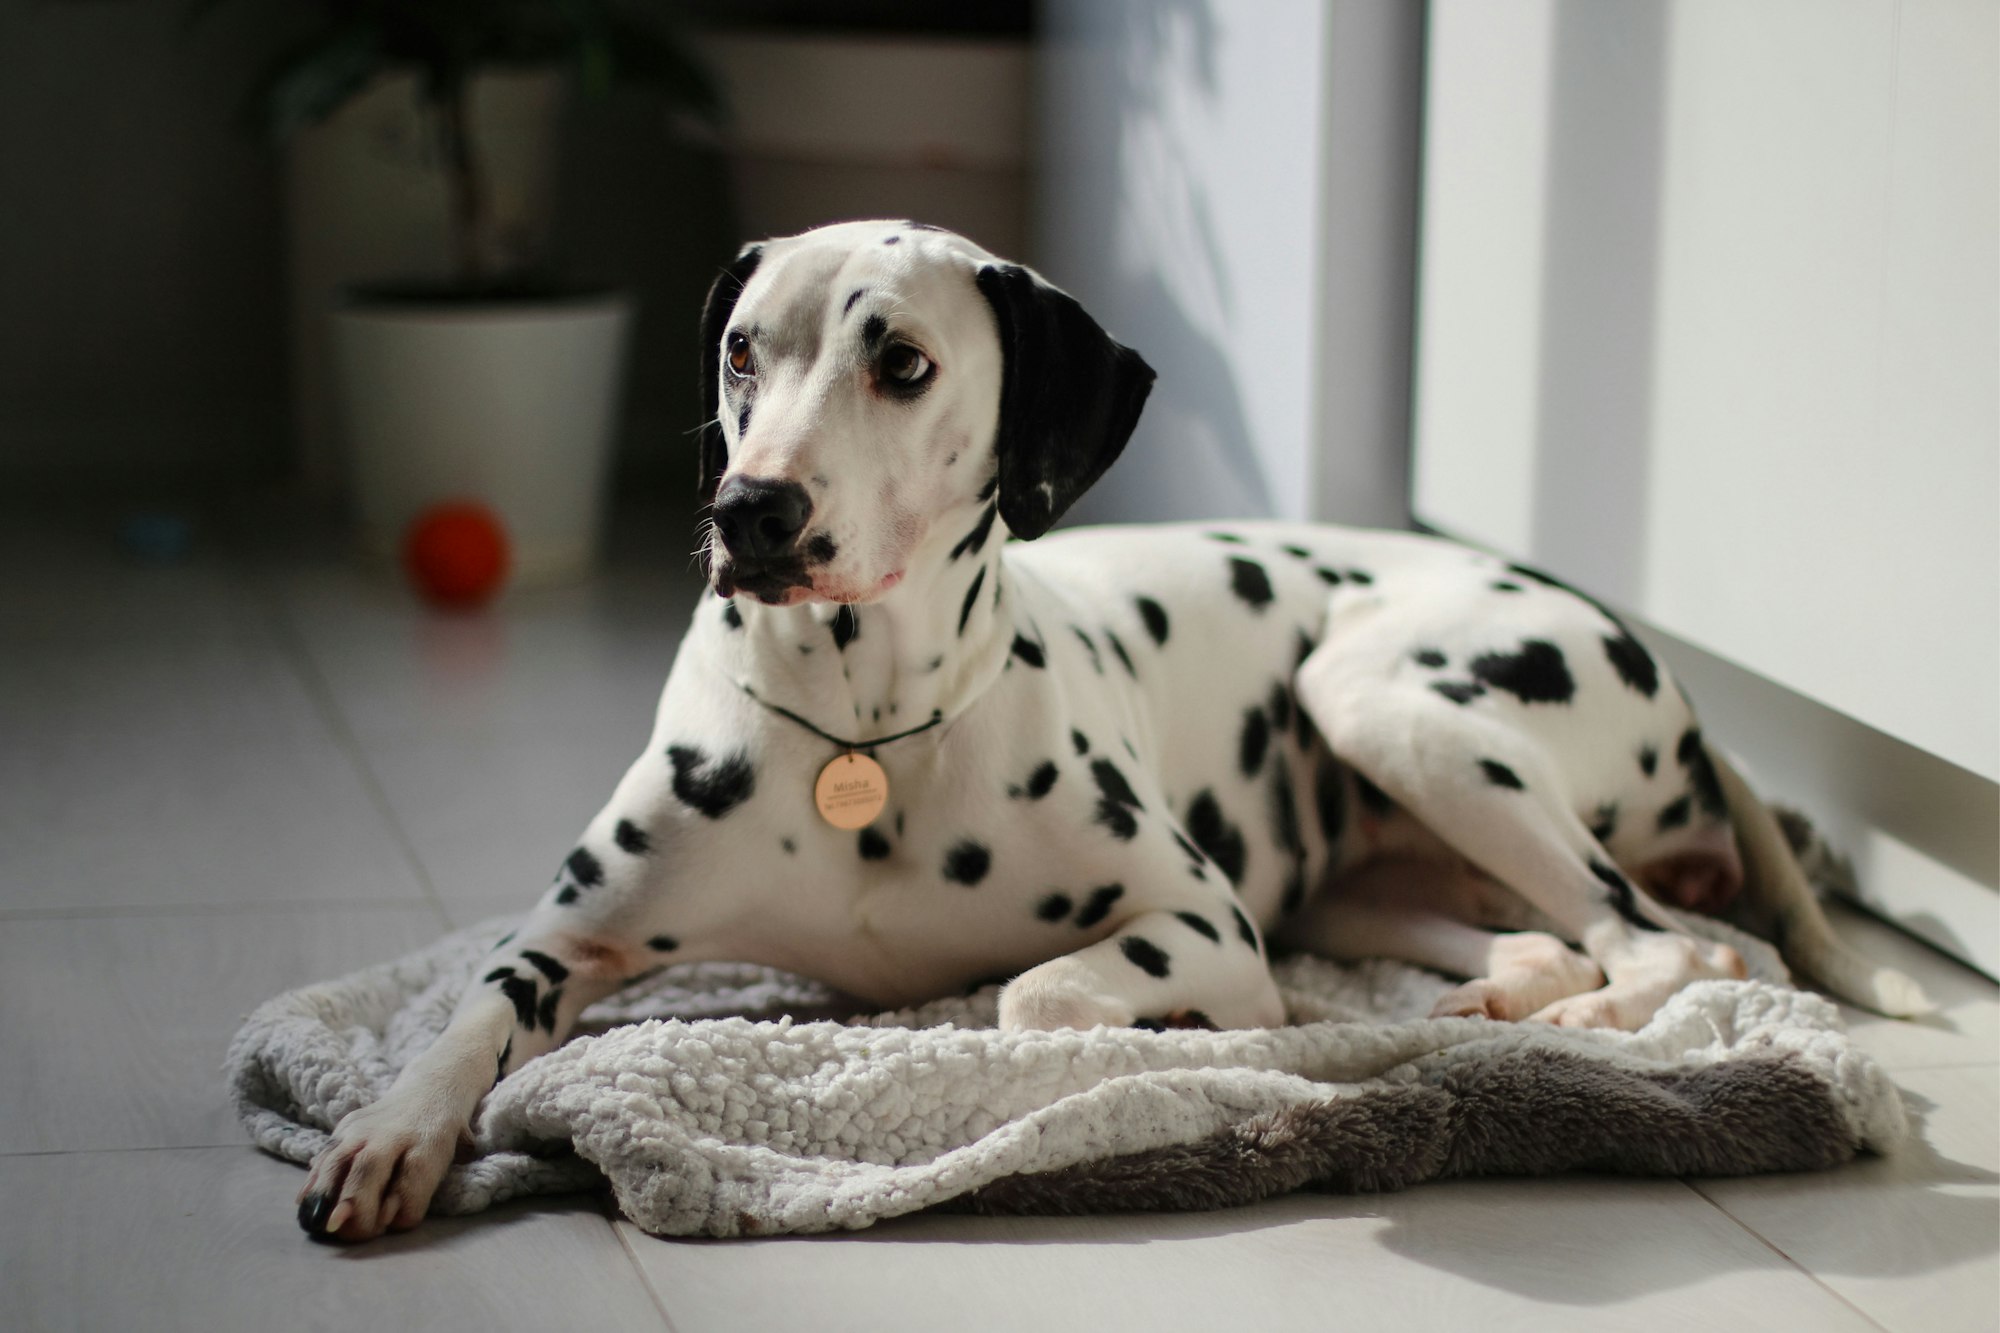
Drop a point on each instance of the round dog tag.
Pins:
(851, 791)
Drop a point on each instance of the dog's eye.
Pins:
(740, 363)
(904, 366)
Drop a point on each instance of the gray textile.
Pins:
(724, 1100)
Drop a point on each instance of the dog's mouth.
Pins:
(779, 583)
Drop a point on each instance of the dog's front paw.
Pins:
(379, 1172)
(1061, 994)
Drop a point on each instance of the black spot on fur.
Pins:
(1459, 691)
(973, 542)
(1360, 577)
(1098, 906)
(663, 944)
(1080, 741)
(1535, 674)
(1054, 907)
(874, 329)
(521, 993)
(567, 896)
(1373, 798)
(971, 597)
(821, 549)
(1193, 852)
(743, 419)
(872, 845)
(1506, 585)
(1649, 760)
(731, 616)
(1219, 840)
(1676, 813)
(1634, 665)
(1248, 580)
(1605, 822)
(790, 848)
(1145, 955)
(1116, 800)
(547, 1013)
(584, 868)
(1254, 742)
(1702, 779)
(852, 297)
(1155, 617)
(1297, 552)
(1090, 646)
(967, 863)
(1621, 893)
(1330, 577)
(846, 626)
(1228, 537)
(1124, 658)
(712, 786)
(631, 839)
(1028, 651)
(1200, 925)
(1302, 647)
(1500, 775)
(545, 965)
(1280, 706)
(992, 484)
(496, 974)
(1429, 657)
(1330, 800)
(1244, 930)
(1039, 782)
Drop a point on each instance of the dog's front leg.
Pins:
(1159, 968)
(386, 1159)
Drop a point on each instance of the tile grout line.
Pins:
(632, 1258)
(293, 647)
(1798, 1267)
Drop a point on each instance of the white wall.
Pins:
(1221, 182)
(1710, 326)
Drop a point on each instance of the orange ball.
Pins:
(456, 554)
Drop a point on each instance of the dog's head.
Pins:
(865, 382)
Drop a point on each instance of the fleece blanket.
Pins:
(732, 1100)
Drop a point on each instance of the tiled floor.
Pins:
(249, 771)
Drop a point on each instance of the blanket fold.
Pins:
(725, 1100)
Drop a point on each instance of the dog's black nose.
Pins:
(759, 519)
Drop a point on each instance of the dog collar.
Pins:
(852, 787)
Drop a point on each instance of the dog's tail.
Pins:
(1780, 850)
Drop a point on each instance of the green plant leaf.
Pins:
(309, 82)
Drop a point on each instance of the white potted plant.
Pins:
(485, 378)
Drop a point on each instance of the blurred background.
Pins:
(1692, 303)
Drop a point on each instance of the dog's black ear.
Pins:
(714, 319)
(1069, 397)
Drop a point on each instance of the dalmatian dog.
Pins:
(1121, 764)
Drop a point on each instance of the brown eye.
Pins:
(904, 366)
(739, 356)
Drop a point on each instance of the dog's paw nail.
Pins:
(314, 1209)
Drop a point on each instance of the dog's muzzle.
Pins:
(759, 522)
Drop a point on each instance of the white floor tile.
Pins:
(1965, 1031)
(491, 819)
(1913, 1240)
(180, 773)
(116, 1026)
(1576, 1252)
(206, 1240)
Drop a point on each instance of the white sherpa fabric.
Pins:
(726, 1100)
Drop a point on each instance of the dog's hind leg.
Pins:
(1387, 908)
(1493, 794)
